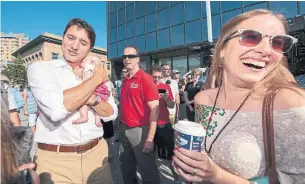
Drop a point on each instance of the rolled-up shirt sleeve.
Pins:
(115, 110)
(47, 91)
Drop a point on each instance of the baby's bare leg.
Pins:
(98, 121)
(83, 115)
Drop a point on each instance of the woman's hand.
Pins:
(195, 166)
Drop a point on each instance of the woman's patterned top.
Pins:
(240, 148)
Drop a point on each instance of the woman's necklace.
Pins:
(210, 119)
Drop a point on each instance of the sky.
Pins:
(36, 17)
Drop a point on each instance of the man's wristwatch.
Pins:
(98, 99)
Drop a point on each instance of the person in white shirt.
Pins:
(5, 82)
(70, 153)
(166, 74)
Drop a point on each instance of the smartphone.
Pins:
(162, 90)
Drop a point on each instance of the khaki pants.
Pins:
(131, 156)
(90, 167)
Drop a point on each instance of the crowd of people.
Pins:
(75, 112)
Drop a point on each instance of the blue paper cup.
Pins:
(190, 136)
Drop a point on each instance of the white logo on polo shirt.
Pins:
(134, 85)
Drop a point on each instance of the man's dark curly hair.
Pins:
(84, 25)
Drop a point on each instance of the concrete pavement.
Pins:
(166, 176)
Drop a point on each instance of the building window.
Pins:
(247, 3)
(194, 62)
(216, 26)
(54, 55)
(192, 10)
(129, 2)
(180, 63)
(177, 14)
(112, 35)
(215, 7)
(112, 20)
(163, 18)
(162, 4)
(193, 32)
(204, 9)
(205, 29)
(230, 5)
(229, 15)
(165, 61)
(112, 50)
(130, 42)
(130, 13)
(140, 26)
(150, 7)
(121, 46)
(151, 23)
(151, 41)
(121, 4)
(302, 7)
(121, 32)
(257, 6)
(113, 5)
(140, 9)
(140, 43)
(163, 38)
(287, 8)
(121, 16)
(130, 29)
(177, 35)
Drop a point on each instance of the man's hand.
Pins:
(165, 95)
(100, 73)
(26, 113)
(148, 146)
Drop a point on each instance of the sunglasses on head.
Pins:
(250, 38)
(130, 56)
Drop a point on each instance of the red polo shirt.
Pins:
(164, 114)
(135, 94)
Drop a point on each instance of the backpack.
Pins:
(18, 98)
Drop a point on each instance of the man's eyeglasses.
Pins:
(250, 38)
(130, 56)
(157, 77)
(124, 72)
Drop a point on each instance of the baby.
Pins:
(85, 72)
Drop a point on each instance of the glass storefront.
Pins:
(155, 26)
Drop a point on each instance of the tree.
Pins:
(16, 72)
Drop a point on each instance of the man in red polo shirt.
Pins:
(164, 138)
(139, 112)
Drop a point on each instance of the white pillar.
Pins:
(209, 21)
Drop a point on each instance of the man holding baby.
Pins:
(70, 152)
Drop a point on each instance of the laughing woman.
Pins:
(248, 56)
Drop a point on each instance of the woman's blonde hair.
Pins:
(277, 77)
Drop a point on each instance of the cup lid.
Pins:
(191, 128)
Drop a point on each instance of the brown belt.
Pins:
(62, 148)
